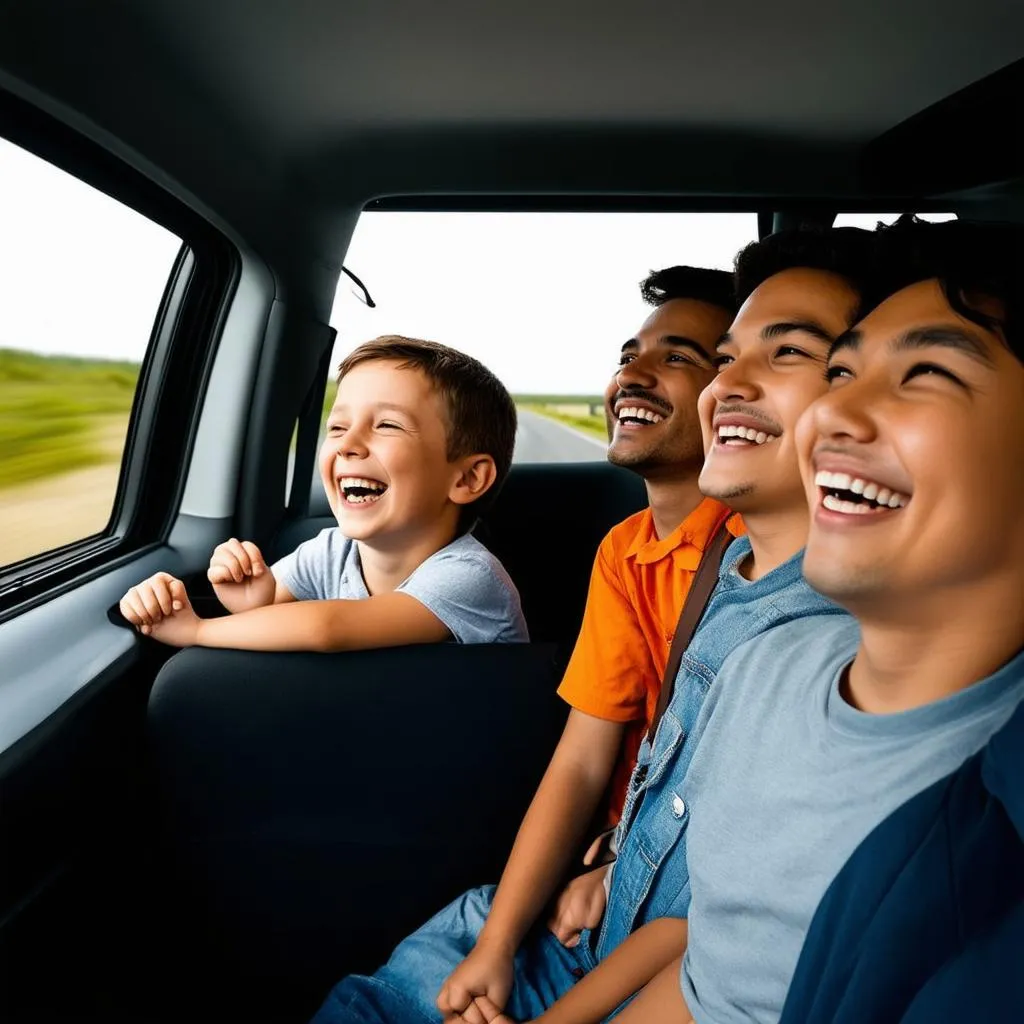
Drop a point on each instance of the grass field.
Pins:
(57, 413)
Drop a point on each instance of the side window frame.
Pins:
(178, 360)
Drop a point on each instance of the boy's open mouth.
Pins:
(855, 496)
(358, 490)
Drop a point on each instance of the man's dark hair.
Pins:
(969, 259)
(481, 416)
(711, 286)
(846, 252)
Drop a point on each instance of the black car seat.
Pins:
(316, 808)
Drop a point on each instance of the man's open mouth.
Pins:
(638, 415)
(857, 496)
(359, 490)
(733, 436)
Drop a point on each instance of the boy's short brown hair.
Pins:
(481, 413)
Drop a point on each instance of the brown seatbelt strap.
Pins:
(704, 581)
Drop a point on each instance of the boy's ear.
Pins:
(476, 478)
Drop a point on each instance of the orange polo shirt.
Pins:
(637, 589)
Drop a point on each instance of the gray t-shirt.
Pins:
(463, 584)
(785, 783)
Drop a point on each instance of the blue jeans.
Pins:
(404, 990)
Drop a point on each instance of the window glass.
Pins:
(545, 300)
(82, 279)
(871, 220)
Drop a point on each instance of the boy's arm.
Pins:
(563, 807)
(385, 620)
(651, 957)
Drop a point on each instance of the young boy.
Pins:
(820, 729)
(419, 439)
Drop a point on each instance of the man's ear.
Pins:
(476, 477)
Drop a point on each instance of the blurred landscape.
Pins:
(582, 412)
(63, 423)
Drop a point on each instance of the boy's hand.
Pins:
(240, 576)
(160, 608)
(487, 973)
(580, 905)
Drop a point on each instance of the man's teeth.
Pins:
(726, 433)
(358, 490)
(841, 487)
(634, 413)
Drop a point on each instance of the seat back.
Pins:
(545, 528)
(316, 808)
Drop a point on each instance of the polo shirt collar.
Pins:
(691, 535)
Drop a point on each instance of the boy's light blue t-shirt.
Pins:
(463, 584)
(786, 781)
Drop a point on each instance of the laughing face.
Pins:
(651, 402)
(771, 366)
(384, 462)
(913, 460)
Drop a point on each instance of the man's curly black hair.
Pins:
(711, 286)
(847, 252)
(969, 259)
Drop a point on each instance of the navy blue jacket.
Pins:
(925, 922)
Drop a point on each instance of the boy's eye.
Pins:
(625, 358)
(931, 370)
(720, 362)
(336, 428)
(389, 425)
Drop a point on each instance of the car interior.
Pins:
(221, 835)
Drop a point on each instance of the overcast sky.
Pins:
(544, 299)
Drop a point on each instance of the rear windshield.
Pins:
(543, 299)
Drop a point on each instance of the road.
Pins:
(544, 440)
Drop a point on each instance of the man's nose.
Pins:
(847, 411)
(734, 384)
(637, 373)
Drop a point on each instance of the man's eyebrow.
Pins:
(811, 327)
(848, 339)
(681, 341)
(945, 337)
(630, 345)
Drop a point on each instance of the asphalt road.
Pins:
(540, 439)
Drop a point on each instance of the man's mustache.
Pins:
(638, 395)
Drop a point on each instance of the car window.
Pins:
(872, 220)
(545, 300)
(83, 277)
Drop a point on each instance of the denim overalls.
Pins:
(650, 877)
